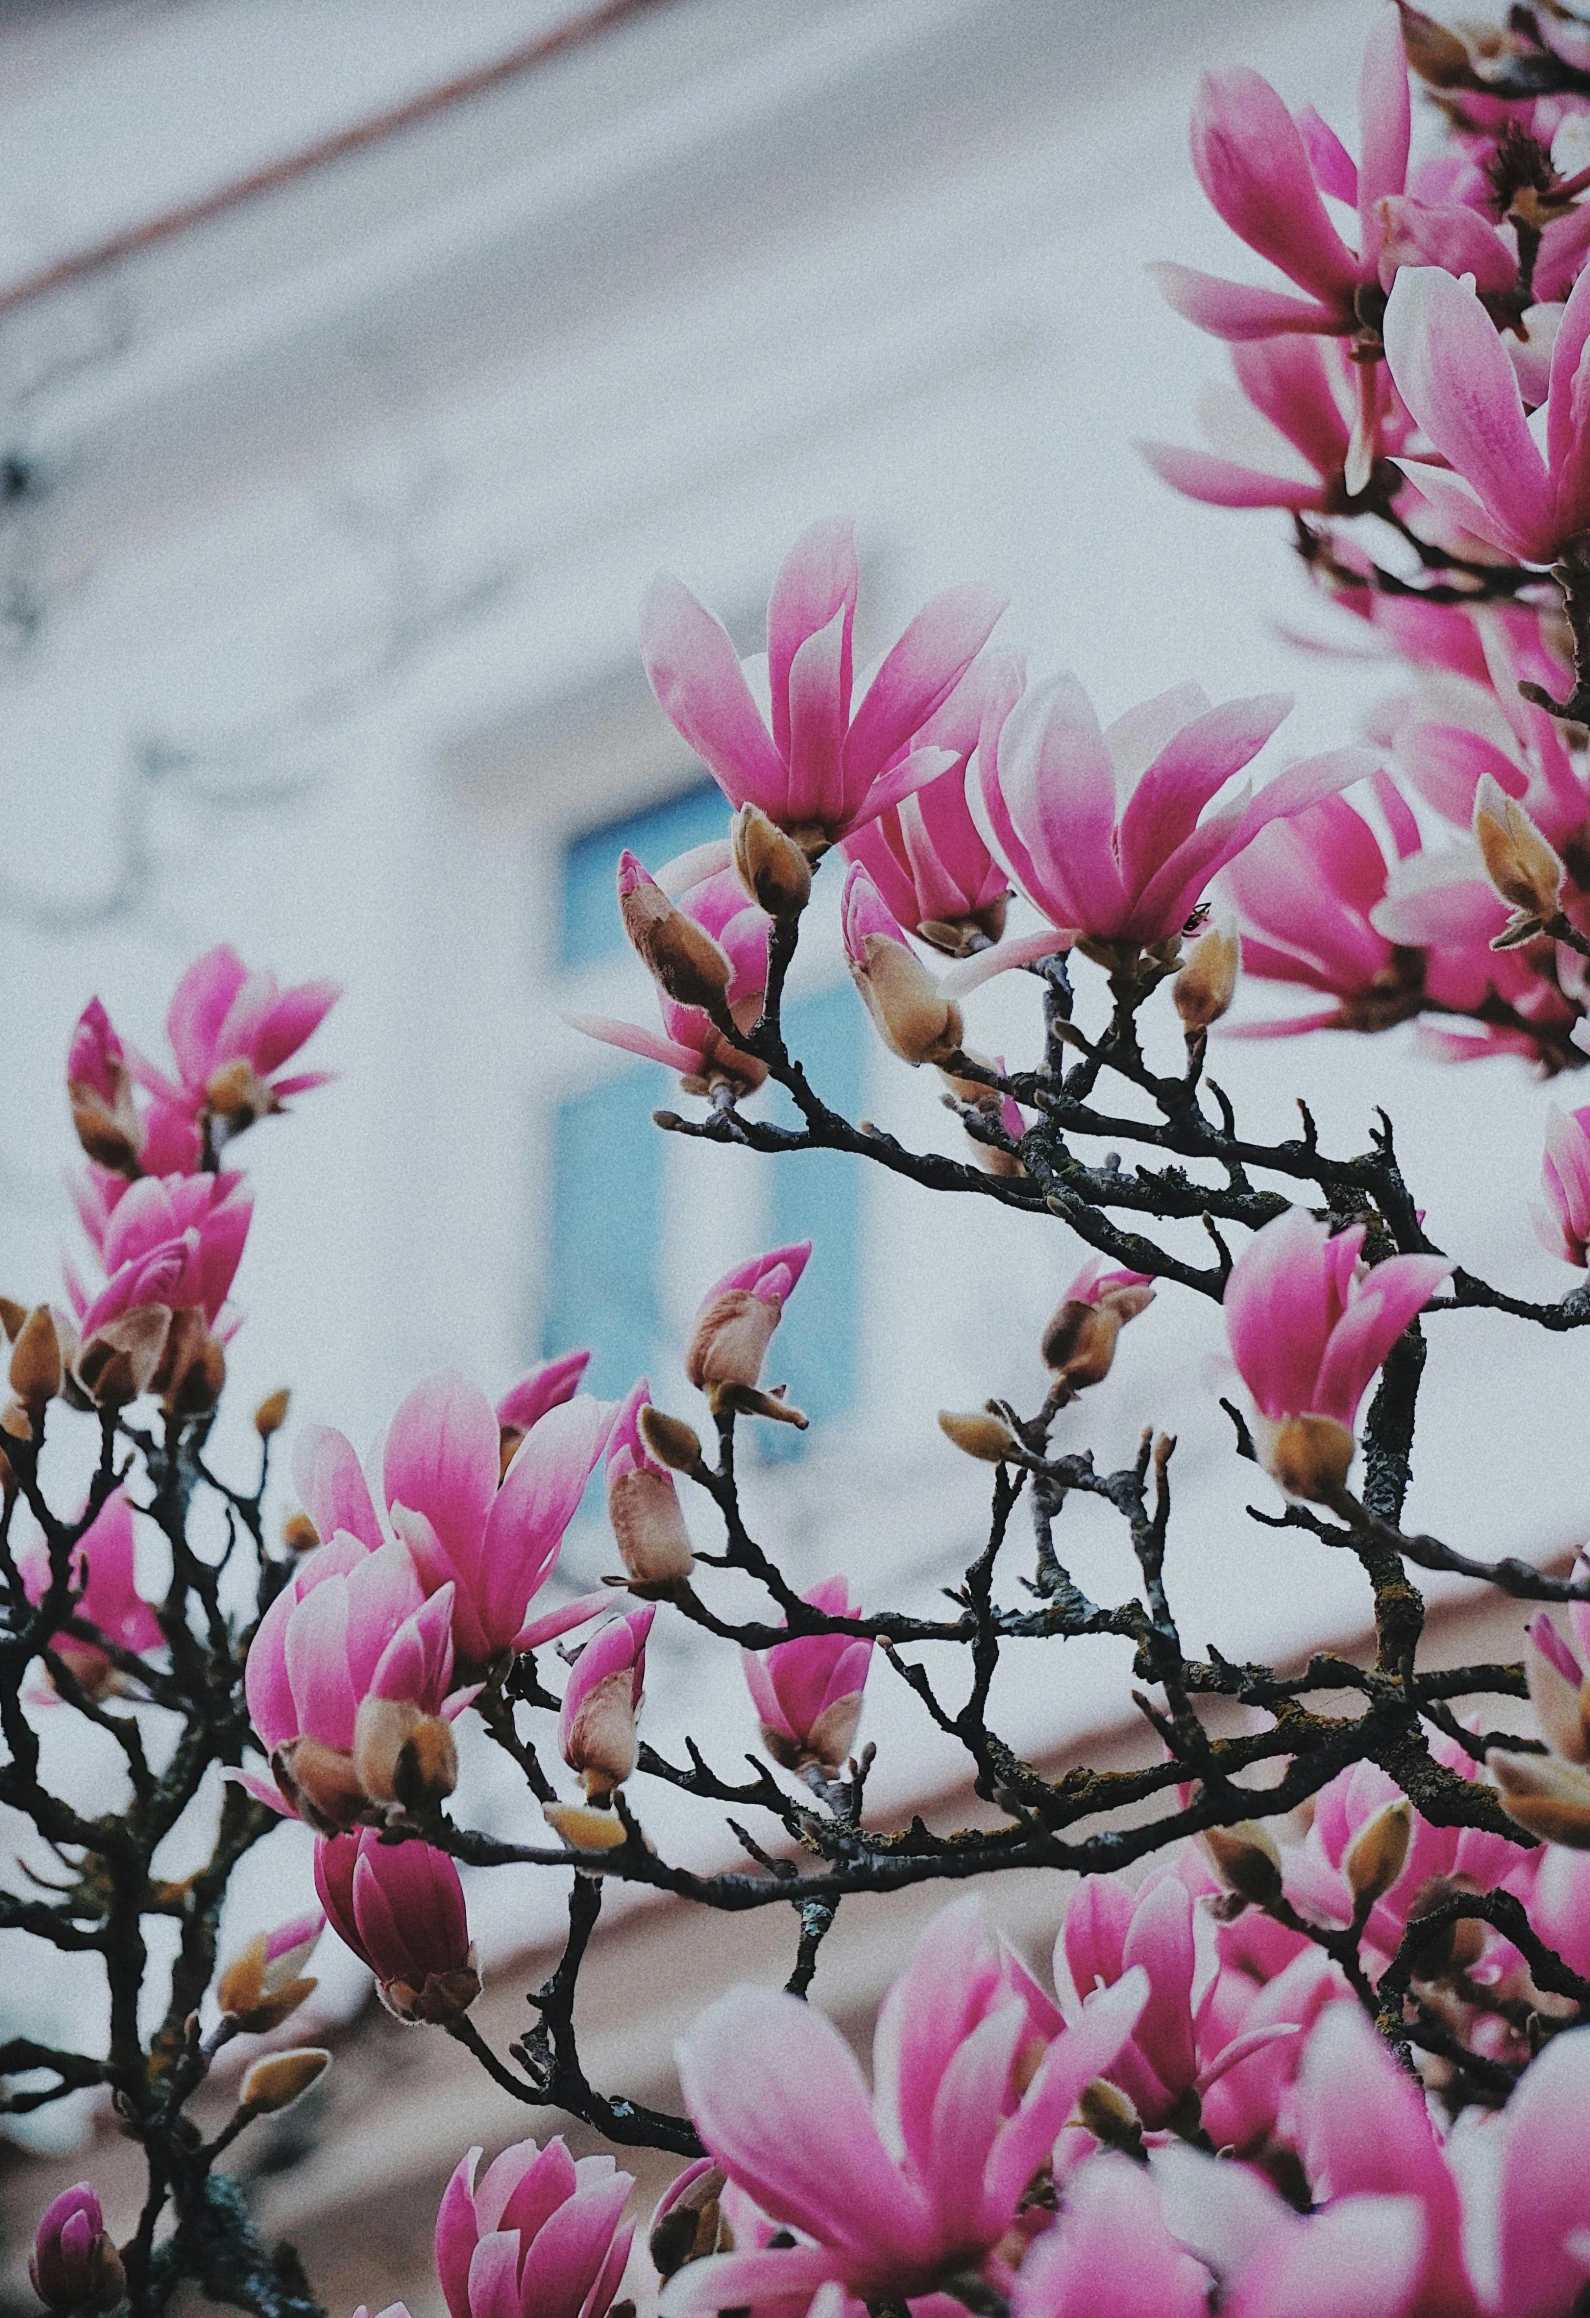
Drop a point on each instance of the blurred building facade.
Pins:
(324, 526)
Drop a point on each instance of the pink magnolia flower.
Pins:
(74, 2264)
(825, 768)
(490, 1548)
(103, 1571)
(1264, 172)
(540, 2236)
(400, 1908)
(175, 1240)
(231, 1031)
(596, 1727)
(1357, 2259)
(1564, 1223)
(1456, 378)
(99, 1088)
(1308, 1327)
(1311, 887)
(1102, 831)
(352, 1625)
(546, 1387)
(926, 856)
(897, 2192)
(707, 888)
(807, 1692)
(736, 1318)
(643, 1503)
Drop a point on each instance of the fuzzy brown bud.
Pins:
(237, 1095)
(977, 1434)
(281, 2078)
(914, 1019)
(36, 1365)
(299, 1533)
(1108, 2115)
(321, 1783)
(1310, 1457)
(1246, 1860)
(119, 1361)
(730, 1338)
(1439, 56)
(1378, 1853)
(681, 956)
(653, 1541)
(1079, 1342)
(772, 867)
(440, 2001)
(1546, 1797)
(192, 1370)
(583, 1827)
(1523, 868)
(271, 1414)
(251, 1996)
(401, 1755)
(1207, 983)
(690, 2226)
(670, 1440)
(12, 1317)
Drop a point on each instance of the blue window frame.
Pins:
(606, 1210)
(590, 928)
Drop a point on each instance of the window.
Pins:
(608, 1216)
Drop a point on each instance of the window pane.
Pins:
(590, 926)
(602, 1262)
(816, 1195)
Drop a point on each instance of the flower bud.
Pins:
(1079, 1342)
(271, 1414)
(36, 1366)
(281, 2078)
(401, 1755)
(99, 1088)
(320, 1782)
(653, 1542)
(299, 1533)
(74, 2264)
(914, 1019)
(669, 1439)
(1310, 1457)
(192, 1370)
(12, 1316)
(1108, 2115)
(596, 1729)
(1246, 1860)
(584, 1828)
(1207, 982)
(1378, 1853)
(681, 956)
(262, 1986)
(118, 1362)
(1523, 868)
(978, 1435)
(1546, 1797)
(772, 868)
(688, 2224)
(730, 1338)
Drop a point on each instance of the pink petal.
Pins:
(1222, 483)
(816, 584)
(1233, 310)
(917, 676)
(1252, 164)
(441, 1461)
(700, 686)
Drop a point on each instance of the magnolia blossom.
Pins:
(707, 889)
(231, 1031)
(1265, 173)
(914, 1018)
(102, 1570)
(1564, 1223)
(1308, 1327)
(74, 2264)
(350, 1657)
(895, 2193)
(825, 768)
(596, 1728)
(400, 1908)
(541, 2235)
(491, 1548)
(734, 1326)
(926, 856)
(174, 1240)
(807, 1692)
(643, 1503)
(1454, 374)
(1102, 830)
(1079, 1342)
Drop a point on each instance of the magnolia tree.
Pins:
(1339, 1939)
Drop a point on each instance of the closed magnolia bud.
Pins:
(1207, 982)
(1310, 1457)
(281, 2078)
(688, 2224)
(271, 1414)
(682, 957)
(74, 2264)
(772, 868)
(261, 1986)
(299, 1533)
(1246, 1860)
(192, 1369)
(584, 1828)
(403, 1756)
(119, 1361)
(670, 1440)
(915, 1020)
(978, 1434)
(12, 1317)
(1378, 1853)
(36, 1365)
(1546, 1797)
(1523, 868)
(729, 1340)
(653, 1542)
